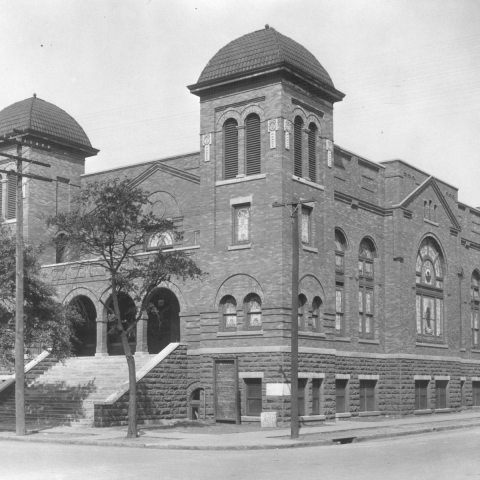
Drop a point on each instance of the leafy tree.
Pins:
(47, 323)
(110, 228)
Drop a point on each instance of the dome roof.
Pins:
(38, 116)
(261, 49)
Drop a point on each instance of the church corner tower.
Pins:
(49, 135)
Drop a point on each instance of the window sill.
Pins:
(475, 351)
(426, 220)
(240, 247)
(373, 413)
(308, 182)
(443, 410)
(312, 334)
(13, 220)
(242, 333)
(343, 339)
(248, 418)
(423, 412)
(431, 345)
(343, 415)
(370, 342)
(240, 180)
(306, 248)
(312, 418)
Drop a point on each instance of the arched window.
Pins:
(253, 311)
(228, 311)
(312, 154)
(297, 146)
(11, 212)
(302, 312)
(429, 292)
(160, 240)
(340, 247)
(60, 247)
(252, 144)
(475, 302)
(316, 314)
(365, 290)
(230, 148)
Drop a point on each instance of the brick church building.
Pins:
(389, 257)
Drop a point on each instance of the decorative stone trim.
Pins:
(245, 418)
(443, 410)
(463, 379)
(342, 376)
(442, 377)
(310, 249)
(343, 415)
(250, 178)
(423, 412)
(250, 375)
(240, 200)
(343, 339)
(475, 379)
(310, 375)
(431, 345)
(368, 377)
(369, 342)
(422, 377)
(245, 246)
(312, 334)
(426, 220)
(241, 333)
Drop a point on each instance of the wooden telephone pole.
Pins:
(296, 205)
(19, 281)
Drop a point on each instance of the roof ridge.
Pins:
(31, 111)
(277, 41)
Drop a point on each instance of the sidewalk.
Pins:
(242, 438)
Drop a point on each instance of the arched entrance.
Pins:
(164, 325)
(85, 341)
(127, 315)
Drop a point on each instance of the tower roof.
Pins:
(260, 49)
(38, 117)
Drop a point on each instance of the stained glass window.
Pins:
(365, 294)
(475, 306)
(316, 320)
(254, 311)
(161, 240)
(242, 224)
(429, 285)
(229, 309)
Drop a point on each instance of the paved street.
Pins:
(449, 455)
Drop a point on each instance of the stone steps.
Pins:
(65, 394)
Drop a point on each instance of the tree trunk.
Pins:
(132, 377)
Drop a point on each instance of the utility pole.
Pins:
(296, 205)
(19, 282)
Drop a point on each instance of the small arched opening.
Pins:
(85, 339)
(163, 320)
(196, 404)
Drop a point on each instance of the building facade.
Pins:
(389, 257)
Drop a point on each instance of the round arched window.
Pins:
(429, 287)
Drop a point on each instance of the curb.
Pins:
(299, 444)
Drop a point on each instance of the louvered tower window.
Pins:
(252, 136)
(297, 146)
(230, 133)
(312, 136)
(11, 197)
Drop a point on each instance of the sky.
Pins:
(410, 70)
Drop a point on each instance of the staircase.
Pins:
(65, 394)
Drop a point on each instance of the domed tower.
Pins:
(49, 135)
(266, 130)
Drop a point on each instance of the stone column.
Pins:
(142, 342)
(102, 349)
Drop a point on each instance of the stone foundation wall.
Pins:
(161, 394)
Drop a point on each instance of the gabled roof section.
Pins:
(160, 167)
(430, 182)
